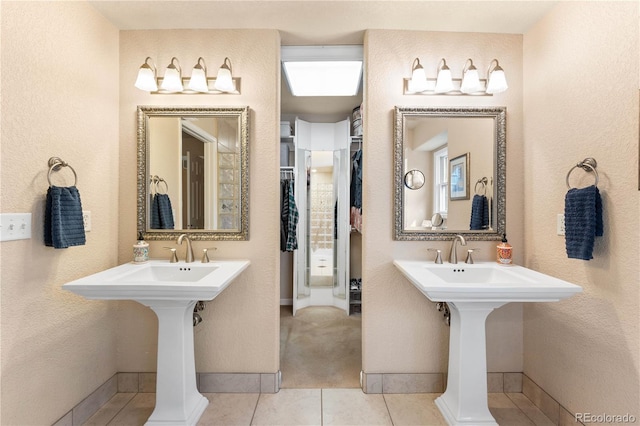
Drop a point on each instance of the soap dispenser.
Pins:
(504, 251)
(140, 250)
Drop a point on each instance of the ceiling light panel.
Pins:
(323, 70)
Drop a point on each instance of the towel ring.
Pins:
(482, 181)
(589, 165)
(155, 184)
(55, 164)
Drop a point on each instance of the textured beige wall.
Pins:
(402, 331)
(581, 100)
(59, 98)
(240, 332)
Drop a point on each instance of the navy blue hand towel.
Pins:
(63, 224)
(479, 213)
(582, 221)
(164, 211)
(154, 212)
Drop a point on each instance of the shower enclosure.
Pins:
(321, 263)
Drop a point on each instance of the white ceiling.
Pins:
(308, 22)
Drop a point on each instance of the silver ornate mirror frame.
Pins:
(143, 114)
(499, 115)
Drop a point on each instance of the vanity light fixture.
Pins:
(418, 82)
(496, 80)
(224, 81)
(147, 76)
(174, 83)
(470, 78)
(444, 82)
(198, 81)
(470, 83)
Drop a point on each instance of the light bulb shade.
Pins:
(198, 80)
(147, 77)
(470, 78)
(172, 81)
(444, 82)
(496, 80)
(224, 80)
(418, 82)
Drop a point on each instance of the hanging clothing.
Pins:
(288, 216)
(355, 214)
(284, 214)
(292, 221)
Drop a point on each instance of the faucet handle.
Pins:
(205, 254)
(174, 255)
(469, 259)
(438, 259)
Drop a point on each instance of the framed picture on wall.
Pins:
(459, 177)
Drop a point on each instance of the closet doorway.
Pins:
(320, 323)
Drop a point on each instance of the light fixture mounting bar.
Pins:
(186, 91)
(457, 82)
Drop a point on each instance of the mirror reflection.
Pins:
(460, 154)
(194, 164)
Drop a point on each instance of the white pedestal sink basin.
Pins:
(171, 290)
(472, 292)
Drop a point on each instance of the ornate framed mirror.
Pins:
(461, 152)
(193, 172)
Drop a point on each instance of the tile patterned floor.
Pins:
(298, 407)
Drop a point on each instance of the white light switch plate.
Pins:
(560, 224)
(15, 226)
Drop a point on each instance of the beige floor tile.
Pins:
(414, 409)
(289, 407)
(321, 347)
(530, 410)
(229, 409)
(506, 412)
(353, 407)
(107, 412)
(137, 411)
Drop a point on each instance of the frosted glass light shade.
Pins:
(224, 81)
(198, 80)
(147, 77)
(146, 80)
(497, 82)
(172, 81)
(470, 81)
(444, 82)
(418, 82)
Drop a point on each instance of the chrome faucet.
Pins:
(189, 255)
(453, 255)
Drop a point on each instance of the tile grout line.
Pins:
(387, 407)
(120, 410)
(321, 407)
(523, 412)
(253, 416)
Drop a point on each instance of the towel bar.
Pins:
(589, 165)
(55, 163)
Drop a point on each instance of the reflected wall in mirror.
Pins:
(427, 139)
(193, 174)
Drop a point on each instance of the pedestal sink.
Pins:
(472, 292)
(171, 290)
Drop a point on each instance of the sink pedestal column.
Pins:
(465, 400)
(178, 401)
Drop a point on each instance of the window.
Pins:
(440, 181)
